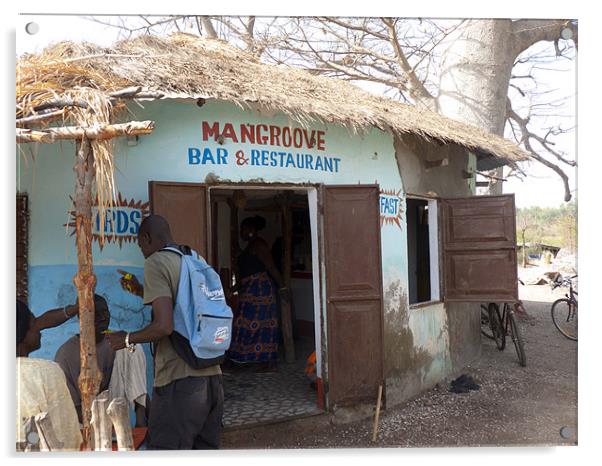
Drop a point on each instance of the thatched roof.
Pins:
(184, 66)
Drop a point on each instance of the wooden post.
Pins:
(285, 304)
(101, 424)
(48, 438)
(85, 282)
(376, 416)
(120, 417)
(234, 246)
(32, 438)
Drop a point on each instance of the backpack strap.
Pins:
(172, 249)
(181, 250)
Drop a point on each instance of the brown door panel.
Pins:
(479, 248)
(481, 276)
(354, 292)
(485, 225)
(355, 363)
(184, 205)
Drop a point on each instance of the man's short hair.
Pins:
(23, 319)
(100, 304)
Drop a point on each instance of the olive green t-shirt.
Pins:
(161, 278)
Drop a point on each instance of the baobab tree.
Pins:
(472, 70)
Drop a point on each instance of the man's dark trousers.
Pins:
(186, 414)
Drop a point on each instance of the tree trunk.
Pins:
(475, 74)
(85, 282)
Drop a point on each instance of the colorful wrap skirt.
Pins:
(255, 330)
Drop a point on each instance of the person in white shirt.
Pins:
(41, 384)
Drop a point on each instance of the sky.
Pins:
(542, 187)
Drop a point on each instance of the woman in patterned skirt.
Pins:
(255, 329)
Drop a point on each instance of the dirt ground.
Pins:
(515, 406)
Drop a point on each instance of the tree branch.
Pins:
(416, 88)
(527, 32)
(209, 29)
(525, 140)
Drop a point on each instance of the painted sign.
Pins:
(121, 222)
(391, 203)
(302, 147)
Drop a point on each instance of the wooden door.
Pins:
(354, 293)
(479, 249)
(184, 205)
(22, 247)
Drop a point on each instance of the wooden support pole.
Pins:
(85, 282)
(120, 417)
(32, 438)
(30, 135)
(377, 415)
(61, 103)
(43, 117)
(101, 423)
(49, 135)
(285, 304)
(136, 93)
(48, 438)
(234, 246)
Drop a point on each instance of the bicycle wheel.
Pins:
(495, 323)
(517, 340)
(565, 318)
(485, 328)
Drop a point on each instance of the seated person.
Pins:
(41, 384)
(123, 372)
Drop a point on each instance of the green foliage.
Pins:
(556, 226)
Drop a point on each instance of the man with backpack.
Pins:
(187, 403)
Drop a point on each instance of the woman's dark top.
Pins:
(249, 264)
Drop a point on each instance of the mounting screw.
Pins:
(566, 432)
(32, 28)
(566, 33)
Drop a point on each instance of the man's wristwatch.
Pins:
(131, 347)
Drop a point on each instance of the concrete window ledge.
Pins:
(425, 304)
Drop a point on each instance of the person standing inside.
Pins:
(187, 404)
(255, 329)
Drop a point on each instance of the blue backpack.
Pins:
(202, 319)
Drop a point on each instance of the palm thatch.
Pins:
(185, 66)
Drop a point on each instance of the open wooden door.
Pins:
(479, 249)
(354, 293)
(22, 247)
(184, 205)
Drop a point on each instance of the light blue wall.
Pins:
(46, 173)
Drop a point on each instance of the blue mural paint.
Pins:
(53, 288)
(186, 147)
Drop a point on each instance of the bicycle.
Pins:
(497, 326)
(564, 310)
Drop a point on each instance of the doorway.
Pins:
(346, 287)
(252, 396)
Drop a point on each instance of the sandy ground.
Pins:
(514, 406)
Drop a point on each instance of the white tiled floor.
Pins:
(257, 397)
